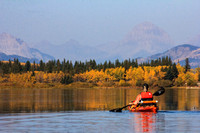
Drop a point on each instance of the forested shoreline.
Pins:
(127, 73)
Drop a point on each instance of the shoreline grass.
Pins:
(76, 85)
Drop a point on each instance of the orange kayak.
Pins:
(144, 106)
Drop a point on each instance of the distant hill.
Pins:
(15, 47)
(4, 57)
(143, 40)
(179, 53)
(71, 50)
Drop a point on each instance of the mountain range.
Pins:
(143, 41)
(71, 50)
(179, 54)
(4, 57)
(11, 47)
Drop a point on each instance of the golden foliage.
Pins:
(110, 77)
(189, 78)
(147, 74)
(28, 80)
(132, 75)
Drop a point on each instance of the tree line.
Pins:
(161, 71)
(66, 66)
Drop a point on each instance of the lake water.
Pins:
(86, 110)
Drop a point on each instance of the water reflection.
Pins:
(166, 121)
(38, 100)
(101, 121)
(144, 122)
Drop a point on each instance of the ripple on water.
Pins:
(101, 121)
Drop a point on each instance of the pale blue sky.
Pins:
(93, 22)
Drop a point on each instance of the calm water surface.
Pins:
(86, 110)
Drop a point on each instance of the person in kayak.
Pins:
(144, 96)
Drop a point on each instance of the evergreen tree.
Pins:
(152, 63)
(117, 63)
(83, 67)
(187, 65)
(109, 64)
(10, 63)
(58, 66)
(105, 65)
(70, 68)
(122, 64)
(54, 68)
(34, 66)
(169, 75)
(170, 61)
(156, 63)
(16, 67)
(148, 64)
(1, 71)
(167, 60)
(100, 66)
(5, 68)
(66, 80)
(129, 63)
(76, 67)
(33, 73)
(164, 69)
(64, 66)
(42, 66)
(87, 65)
(94, 64)
(136, 63)
(174, 71)
(67, 66)
(27, 66)
(133, 63)
(49, 66)
(163, 61)
(126, 64)
(159, 61)
(199, 77)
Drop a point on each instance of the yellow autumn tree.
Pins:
(189, 78)
(92, 76)
(149, 75)
(115, 74)
(134, 75)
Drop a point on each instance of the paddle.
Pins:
(119, 109)
(157, 93)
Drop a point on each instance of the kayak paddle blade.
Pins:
(118, 109)
(159, 92)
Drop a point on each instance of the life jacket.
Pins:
(146, 96)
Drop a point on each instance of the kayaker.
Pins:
(145, 95)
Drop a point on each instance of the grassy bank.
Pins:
(76, 85)
(10, 84)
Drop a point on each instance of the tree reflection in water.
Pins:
(56, 100)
